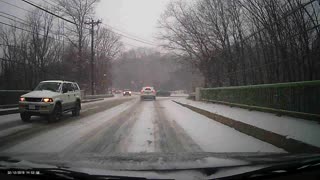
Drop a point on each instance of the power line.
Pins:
(13, 19)
(129, 34)
(15, 6)
(132, 38)
(18, 8)
(21, 21)
(43, 9)
(39, 7)
(16, 27)
(49, 3)
(49, 12)
(121, 34)
(281, 18)
(22, 29)
(12, 16)
(132, 45)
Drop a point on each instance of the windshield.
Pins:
(50, 86)
(159, 84)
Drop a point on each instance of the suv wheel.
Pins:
(76, 110)
(25, 117)
(56, 114)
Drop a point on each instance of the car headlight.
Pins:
(22, 99)
(47, 100)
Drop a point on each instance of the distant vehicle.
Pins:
(148, 93)
(126, 92)
(51, 99)
(117, 91)
(163, 93)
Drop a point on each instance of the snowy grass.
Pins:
(295, 128)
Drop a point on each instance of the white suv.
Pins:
(51, 99)
(148, 93)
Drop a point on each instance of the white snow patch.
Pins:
(295, 128)
(6, 109)
(90, 108)
(141, 138)
(213, 136)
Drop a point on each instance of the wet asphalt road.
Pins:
(125, 125)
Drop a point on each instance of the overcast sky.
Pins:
(137, 18)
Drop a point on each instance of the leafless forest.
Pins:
(243, 42)
(43, 46)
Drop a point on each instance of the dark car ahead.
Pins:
(163, 93)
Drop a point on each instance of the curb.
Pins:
(10, 111)
(288, 144)
(91, 100)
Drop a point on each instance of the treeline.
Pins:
(243, 42)
(147, 67)
(43, 47)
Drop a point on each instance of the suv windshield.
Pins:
(50, 86)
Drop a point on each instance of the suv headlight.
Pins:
(47, 100)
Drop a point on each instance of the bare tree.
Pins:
(78, 11)
(108, 46)
(41, 41)
(240, 42)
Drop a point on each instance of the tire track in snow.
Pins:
(20, 132)
(109, 137)
(59, 138)
(141, 137)
(142, 128)
(170, 137)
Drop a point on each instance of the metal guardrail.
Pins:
(11, 96)
(98, 96)
(302, 97)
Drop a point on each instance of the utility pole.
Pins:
(92, 23)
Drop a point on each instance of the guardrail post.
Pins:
(198, 94)
(82, 94)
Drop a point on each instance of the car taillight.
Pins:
(141, 91)
(22, 99)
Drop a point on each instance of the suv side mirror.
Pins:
(64, 90)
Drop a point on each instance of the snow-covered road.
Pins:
(128, 126)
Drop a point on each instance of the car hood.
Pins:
(151, 165)
(157, 161)
(40, 94)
